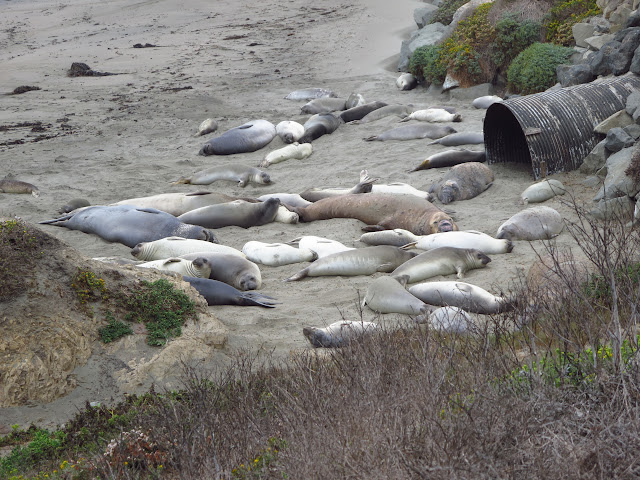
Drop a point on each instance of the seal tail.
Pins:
(409, 245)
(57, 221)
(254, 299)
(298, 276)
(181, 180)
(405, 119)
(370, 139)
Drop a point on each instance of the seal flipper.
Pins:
(298, 276)
(373, 228)
(58, 221)
(370, 139)
(254, 299)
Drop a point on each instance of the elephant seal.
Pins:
(389, 295)
(248, 137)
(459, 294)
(233, 270)
(291, 199)
(363, 186)
(441, 261)
(406, 81)
(321, 246)
(324, 105)
(297, 151)
(462, 239)
(276, 254)
(382, 112)
(382, 211)
(319, 125)
(289, 131)
(232, 172)
(450, 158)
(434, 115)
(197, 267)
(396, 187)
(450, 320)
(207, 126)
(338, 334)
(460, 138)
(485, 101)
(358, 112)
(397, 237)
(413, 132)
(16, 186)
(359, 261)
(310, 93)
(178, 203)
(535, 223)
(72, 204)
(176, 246)
(462, 182)
(542, 191)
(237, 213)
(219, 293)
(354, 100)
(130, 225)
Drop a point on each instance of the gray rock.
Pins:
(619, 119)
(608, 59)
(619, 208)
(596, 159)
(633, 130)
(450, 83)
(598, 41)
(617, 139)
(602, 24)
(472, 92)
(592, 181)
(633, 102)
(634, 67)
(569, 75)
(422, 15)
(620, 15)
(465, 11)
(616, 182)
(634, 20)
(581, 31)
(429, 35)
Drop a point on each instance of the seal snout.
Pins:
(445, 226)
(484, 259)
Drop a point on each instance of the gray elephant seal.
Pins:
(130, 225)
(441, 261)
(363, 186)
(463, 182)
(233, 270)
(542, 191)
(324, 105)
(233, 173)
(406, 81)
(389, 295)
(248, 137)
(237, 213)
(412, 132)
(387, 111)
(207, 126)
(309, 94)
(16, 186)
(178, 203)
(360, 261)
(71, 205)
(355, 100)
(289, 131)
(338, 334)
(196, 267)
(460, 138)
(535, 223)
(291, 199)
(459, 294)
(397, 237)
(319, 125)
(219, 293)
(356, 113)
(450, 158)
(486, 101)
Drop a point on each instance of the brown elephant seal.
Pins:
(232, 172)
(248, 137)
(460, 138)
(360, 261)
(233, 270)
(535, 223)
(319, 125)
(237, 213)
(338, 334)
(178, 203)
(450, 158)
(459, 294)
(363, 186)
(382, 211)
(441, 261)
(207, 126)
(16, 186)
(462, 182)
(389, 295)
(413, 132)
(324, 105)
(307, 94)
(356, 113)
(74, 203)
(219, 293)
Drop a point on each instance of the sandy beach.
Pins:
(110, 138)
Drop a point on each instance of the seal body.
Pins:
(233, 270)
(451, 320)
(459, 294)
(219, 293)
(276, 254)
(355, 100)
(338, 334)
(441, 261)
(358, 112)
(324, 105)
(74, 203)
(389, 295)
(397, 237)
(176, 246)
(319, 125)
(406, 81)
(460, 138)
(289, 131)
(401, 188)
(435, 115)
(197, 267)
(310, 93)
(413, 132)
(462, 239)
(207, 126)
(382, 211)
(542, 191)
(291, 199)
(315, 194)
(239, 213)
(178, 203)
(16, 186)
(321, 246)
(130, 225)
(233, 173)
(485, 101)
(450, 158)
(463, 182)
(359, 261)
(534, 223)
(297, 151)
(248, 137)
(382, 112)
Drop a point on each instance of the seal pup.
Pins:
(232, 172)
(397, 237)
(296, 151)
(310, 94)
(291, 199)
(413, 132)
(450, 320)
(460, 138)
(219, 293)
(382, 112)
(459, 294)
(16, 186)
(462, 182)
(233, 270)
(450, 158)
(395, 187)
(461, 239)
(434, 115)
(319, 125)
(485, 101)
(130, 225)
(176, 246)
(382, 211)
(207, 126)
(248, 137)
(237, 213)
(363, 186)
(441, 261)
(359, 261)
(358, 112)
(276, 254)
(542, 191)
(289, 131)
(534, 223)
(354, 100)
(406, 81)
(321, 246)
(74, 203)
(197, 267)
(178, 203)
(338, 334)
(324, 105)
(389, 295)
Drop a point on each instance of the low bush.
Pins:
(446, 10)
(534, 69)
(425, 64)
(560, 19)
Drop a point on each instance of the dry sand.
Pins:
(130, 135)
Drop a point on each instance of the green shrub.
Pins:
(512, 37)
(425, 64)
(564, 15)
(114, 330)
(534, 69)
(44, 445)
(445, 11)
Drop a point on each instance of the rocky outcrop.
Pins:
(428, 35)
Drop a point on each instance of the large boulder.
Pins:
(596, 42)
(617, 139)
(423, 15)
(608, 59)
(617, 183)
(429, 35)
(619, 119)
(596, 159)
(633, 102)
(569, 75)
(582, 31)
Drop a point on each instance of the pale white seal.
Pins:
(291, 199)
(175, 246)
(389, 295)
(276, 254)
(207, 126)
(198, 267)
(322, 246)
(289, 131)
(296, 151)
(338, 334)
(434, 115)
(459, 294)
(542, 191)
(450, 320)
(535, 223)
(462, 239)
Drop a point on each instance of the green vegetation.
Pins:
(114, 330)
(42, 445)
(534, 70)
(445, 11)
(20, 247)
(512, 37)
(563, 16)
(425, 63)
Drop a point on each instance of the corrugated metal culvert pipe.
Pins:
(553, 131)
